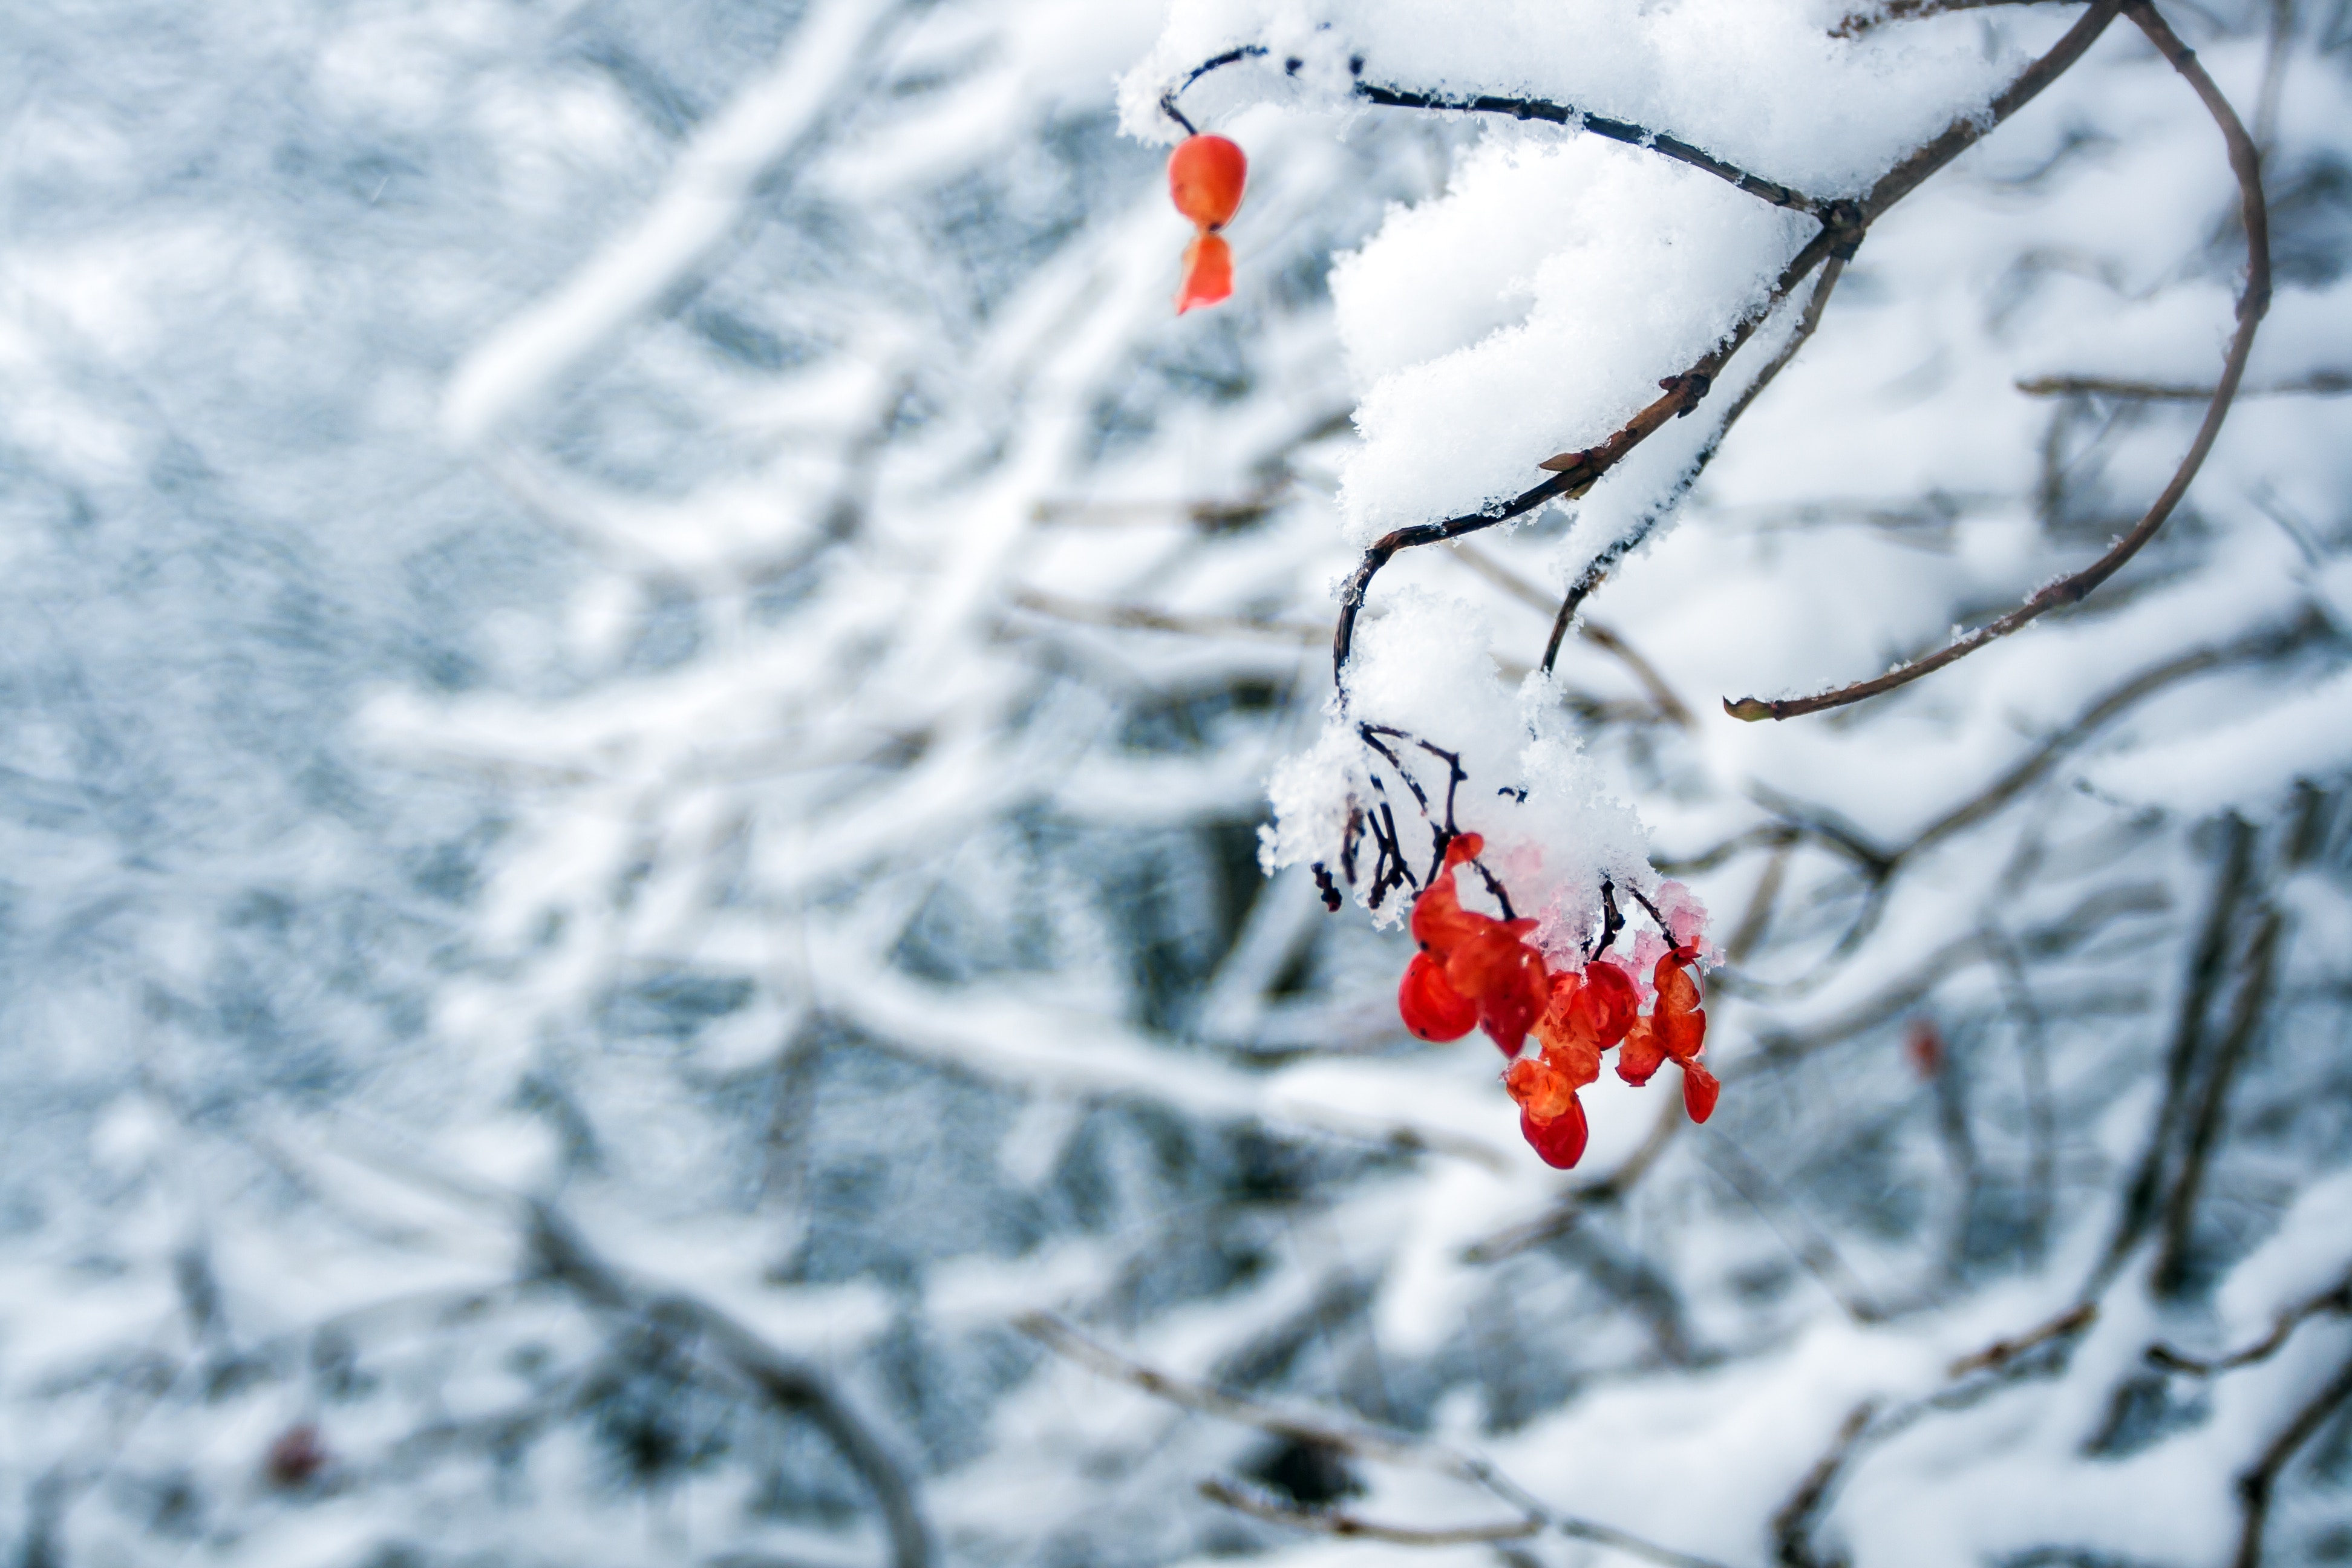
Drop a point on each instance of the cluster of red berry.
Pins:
(1475, 970)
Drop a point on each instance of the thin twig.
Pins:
(1066, 1339)
(2041, 1119)
(562, 1256)
(1589, 581)
(1351, 1438)
(2320, 383)
(1602, 637)
(2188, 1046)
(1625, 130)
(1856, 22)
(2254, 1485)
(2253, 301)
(1792, 1526)
(2337, 1298)
(2172, 1272)
(1999, 1354)
(1565, 1216)
(1810, 1246)
(1330, 1521)
(1142, 617)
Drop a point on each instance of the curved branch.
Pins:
(1625, 130)
(1844, 223)
(1597, 569)
(2254, 1485)
(2337, 1298)
(563, 1255)
(2253, 301)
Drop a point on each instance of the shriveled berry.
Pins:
(1208, 272)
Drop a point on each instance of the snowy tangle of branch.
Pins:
(643, 678)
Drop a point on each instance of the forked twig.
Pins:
(1843, 228)
(2254, 1485)
(2253, 301)
(1348, 1438)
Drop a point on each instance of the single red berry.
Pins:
(1433, 1009)
(1205, 175)
(1700, 1087)
(1560, 1141)
(1606, 1005)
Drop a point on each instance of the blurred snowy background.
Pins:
(637, 673)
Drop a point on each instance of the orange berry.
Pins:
(1204, 177)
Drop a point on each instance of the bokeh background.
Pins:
(636, 672)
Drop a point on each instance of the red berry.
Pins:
(1204, 177)
(1560, 1141)
(1699, 1089)
(1433, 1009)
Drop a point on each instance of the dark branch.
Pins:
(563, 1257)
(1625, 130)
(1327, 1521)
(2320, 383)
(2173, 1264)
(1844, 225)
(2254, 1485)
(2337, 1300)
(2188, 1044)
(1792, 1527)
(2253, 301)
(1600, 566)
(1856, 22)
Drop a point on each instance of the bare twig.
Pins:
(2187, 1045)
(1142, 617)
(1792, 1526)
(2320, 383)
(2173, 1268)
(2337, 1298)
(1809, 1245)
(1589, 581)
(2041, 1119)
(1625, 130)
(1999, 1354)
(1330, 1521)
(562, 1256)
(1602, 637)
(1844, 225)
(1352, 1437)
(2254, 1485)
(1564, 1215)
(1066, 1339)
(2253, 301)
(1856, 22)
